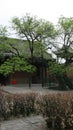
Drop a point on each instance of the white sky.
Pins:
(46, 9)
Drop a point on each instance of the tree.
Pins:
(14, 57)
(3, 38)
(59, 71)
(16, 64)
(3, 31)
(64, 50)
(65, 39)
(32, 30)
(35, 31)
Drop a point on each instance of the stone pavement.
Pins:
(24, 88)
(28, 123)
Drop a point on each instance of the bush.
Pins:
(57, 110)
(5, 105)
(24, 104)
(16, 105)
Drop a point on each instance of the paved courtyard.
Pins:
(28, 123)
(24, 88)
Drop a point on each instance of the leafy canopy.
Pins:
(33, 29)
(16, 64)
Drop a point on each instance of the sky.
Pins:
(50, 10)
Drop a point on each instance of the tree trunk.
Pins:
(30, 80)
(42, 76)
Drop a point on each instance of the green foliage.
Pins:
(70, 68)
(25, 25)
(57, 69)
(16, 64)
(3, 31)
(6, 68)
(3, 38)
(34, 30)
(66, 24)
(65, 39)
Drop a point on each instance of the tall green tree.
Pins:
(65, 39)
(12, 55)
(16, 64)
(34, 31)
(64, 50)
(59, 71)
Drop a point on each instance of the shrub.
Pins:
(16, 104)
(57, 110)
(6, 102)
(24, 104)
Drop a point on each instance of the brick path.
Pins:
(28, 123)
